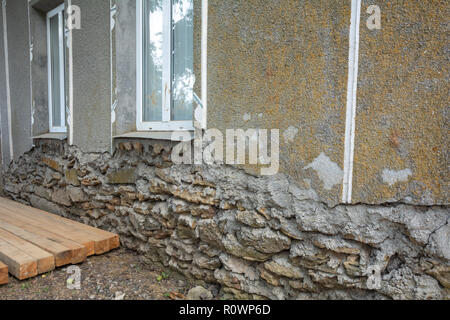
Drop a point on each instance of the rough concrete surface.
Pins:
(92, 77)
(19, 75)
(284, 64)
(259, 237)
(39, 72)
(402, 108)
(280, 64)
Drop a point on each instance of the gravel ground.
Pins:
(103, 277)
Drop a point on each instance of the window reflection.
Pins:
(183, 64)
(182, 75)
(153, 60)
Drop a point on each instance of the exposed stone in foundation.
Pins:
(253, 235)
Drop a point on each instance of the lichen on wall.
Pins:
(402, 107)
(283, 65)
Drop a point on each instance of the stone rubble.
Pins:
(258, 237)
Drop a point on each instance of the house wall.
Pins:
(6, 153)
(92, 77)
(125, 32)
(18, 61)
(39, 70)
(271, 65)
(283, 65)
(256, 236)
(401, 149)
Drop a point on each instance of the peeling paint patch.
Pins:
(247, 117)
(328, 171)
(290, 133)
(392, 177)
(113, 17)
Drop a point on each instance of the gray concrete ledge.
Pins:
(154, 135)
(54, 136)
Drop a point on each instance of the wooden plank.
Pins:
(20, 265)
(45, 260)
(79, 250)
(62, 231)
(65, 251)
(3, 273)
(104, 240)
(99, 234)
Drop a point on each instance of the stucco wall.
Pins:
(19, 75)
(6, 155)
(39, 71)
(92, 77)
(277, 64)
(27, 63)
(401, 151)
(283, 65)
(125, 37)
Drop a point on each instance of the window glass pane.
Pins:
(152, 60)
(183, 62)
(55, 72)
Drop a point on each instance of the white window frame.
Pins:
(59, 12)
(166, 124)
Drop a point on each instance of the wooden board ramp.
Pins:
(3, 273)
(33, 241)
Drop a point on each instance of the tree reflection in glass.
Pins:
(153, 60)
(183, 64)
(155, 47)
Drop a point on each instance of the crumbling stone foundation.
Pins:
(258, 237)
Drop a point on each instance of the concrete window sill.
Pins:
(153, 135)
(52, 136)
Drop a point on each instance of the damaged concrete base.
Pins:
(259, 237)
